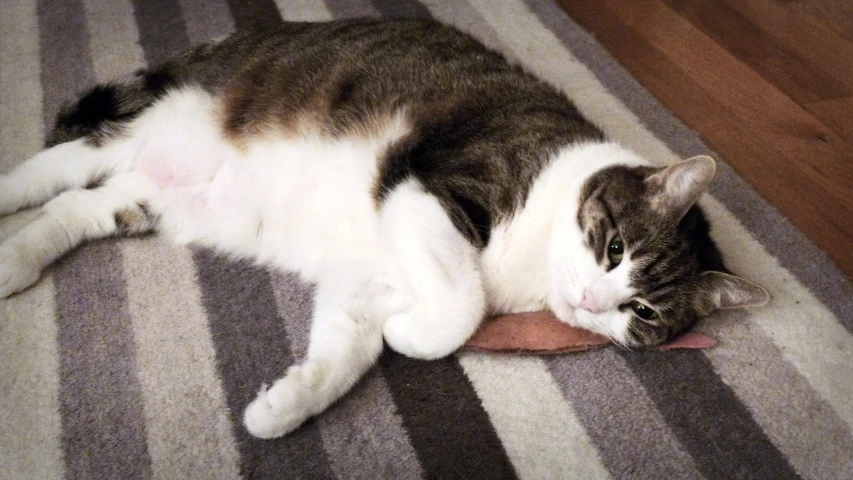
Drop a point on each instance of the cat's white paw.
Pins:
(405, 333)
(15, 273)
(9, 200)
(279, 409)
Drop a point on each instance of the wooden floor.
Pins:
(768, 84)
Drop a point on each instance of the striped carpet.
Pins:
(134, 359)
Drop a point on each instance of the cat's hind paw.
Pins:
(279, 409)
(407, 334)
(15, 273)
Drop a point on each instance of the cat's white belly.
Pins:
(288, 201)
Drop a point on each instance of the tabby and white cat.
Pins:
(416, 177)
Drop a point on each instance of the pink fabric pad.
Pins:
(541, 333)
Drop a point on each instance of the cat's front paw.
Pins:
(15, 273)
(279, 409)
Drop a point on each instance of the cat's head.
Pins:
(633, 258)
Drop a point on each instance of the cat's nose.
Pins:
(588, 302)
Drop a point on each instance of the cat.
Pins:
(418, 179)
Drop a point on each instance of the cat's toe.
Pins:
(15, 274)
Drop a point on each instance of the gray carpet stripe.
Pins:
(401, 9)
(617, 413)
(791, 248)
(252, 349)
(463, 16)
(344, 9)
(362, 433)
(449, 428)
(254, 13)
(103, 434)
(206, 19)
(630, 432)
(184, 399)
(803, 425)
(64, 43)
(706, 416)
(100, 399)
(162, 32)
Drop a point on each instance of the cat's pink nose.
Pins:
(588, 302)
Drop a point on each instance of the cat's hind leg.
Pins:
(70, 165)
(345, 341)
(441, 272)
(117, 206)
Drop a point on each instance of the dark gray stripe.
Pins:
(103, 423)
(620, 418)
(706, 416)
(66, 66)
(788, 245)
(254, 14)
(252, 349)
(401, 9)
(346, 9)
(449, 429)
(161, 29)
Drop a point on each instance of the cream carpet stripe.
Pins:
(188, 426)
(20, 85)
(825, 358)
(30, 426)
(113, 38)
(540, 432)
(304, 10)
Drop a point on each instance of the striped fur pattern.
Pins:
(174, 376)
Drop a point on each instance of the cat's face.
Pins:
(631, 257)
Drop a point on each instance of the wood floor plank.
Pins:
(815, 45)
(837, 114)
(791, 71)
(835, 14)
(791, 158)
(807, 37)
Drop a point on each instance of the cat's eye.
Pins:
(643, 311)
(615, 251)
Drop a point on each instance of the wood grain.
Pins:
(772, 129)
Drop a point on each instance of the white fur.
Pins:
(304, 202)
(538, 258)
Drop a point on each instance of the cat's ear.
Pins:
(676, 188)
(719, 290)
